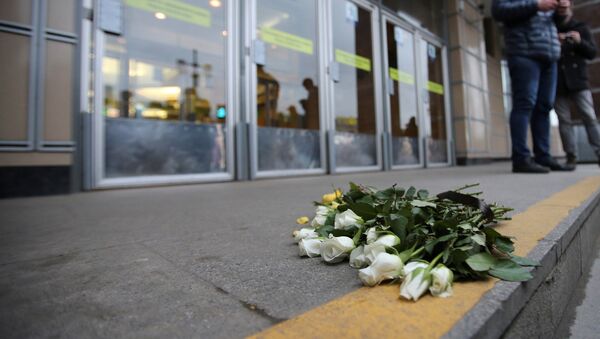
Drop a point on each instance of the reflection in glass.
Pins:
(287, 93)
(403, 100)
(165, 90)
(433, 103)
(354, 93)
(428, 14)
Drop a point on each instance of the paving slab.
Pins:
(220, 258)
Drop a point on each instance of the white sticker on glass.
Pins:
(351, 12)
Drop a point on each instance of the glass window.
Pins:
(165, 89)
(14, 86)
(403, 100)
(433, 103)
(428, 14)
(18, 11)
(354, 92)
(287, 93)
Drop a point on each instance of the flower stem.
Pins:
(434, 261)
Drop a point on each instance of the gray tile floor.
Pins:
(209, 261)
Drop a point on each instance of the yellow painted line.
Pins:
(379, 313)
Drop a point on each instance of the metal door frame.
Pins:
(95, 166)
(377, 81)
(251, 84)
(397, 21)
(426, 37)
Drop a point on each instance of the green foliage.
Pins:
(456, 227)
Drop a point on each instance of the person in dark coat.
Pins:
(532, 50)
(573, 84)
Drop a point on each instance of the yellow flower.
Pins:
(338, 193)
(302, 220)
(328, 198)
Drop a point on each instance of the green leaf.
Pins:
(481, 261)
(423, 194)
(410, 192)
(385, 194)
(363, 210)
(324, 231)
(398, 225)
(510, 271)
(429, 246)
(421, 203)
(479, 239)
(466, 227)
(524, 261)
(504, 244)
(367, 199)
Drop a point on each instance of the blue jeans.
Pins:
(533, 91)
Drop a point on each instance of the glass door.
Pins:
(434, 103)
(354, 74)
(402, 99)
(163, 110)
(286, 105)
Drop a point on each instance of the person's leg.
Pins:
(585, 105)
(540, 119)
(565, 125)
(524, 75)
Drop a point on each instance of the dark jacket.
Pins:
(527, 31)
(572, 66)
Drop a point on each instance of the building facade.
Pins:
(123, 93)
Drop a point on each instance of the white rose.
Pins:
(336, 249)
(415, 284)
(346, 220)
(305, 233)
(318, 221)
(357, 258)
(385, 266)
(378, 246)
(371, 235)
(411, 266)
(322, 210)
(310, 247)
(441, 281)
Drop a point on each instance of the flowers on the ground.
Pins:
(406, 235)
(415, 284)
(305, 233)
(310, 247)
(441, 281)
(302, 220)
(357, 257)
(385, 266)
(336, 249)
(346, 220)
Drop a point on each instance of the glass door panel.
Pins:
(403, 103)
(164, 81)
(434, 103)
(287, 86)
(354, 89)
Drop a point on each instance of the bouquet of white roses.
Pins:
(406, 235)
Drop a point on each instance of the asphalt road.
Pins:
(210, 261)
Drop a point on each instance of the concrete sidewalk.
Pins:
(212, 260)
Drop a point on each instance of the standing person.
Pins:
(532, 49)
(573, 85)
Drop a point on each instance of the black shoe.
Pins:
(571, 163)
(529, 166)
(553, 165)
